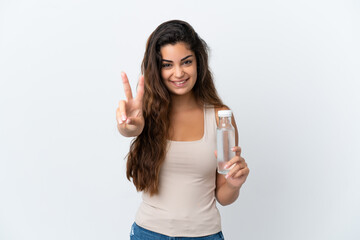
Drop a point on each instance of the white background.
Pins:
(288, 69)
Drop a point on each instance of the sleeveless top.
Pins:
(185, 204)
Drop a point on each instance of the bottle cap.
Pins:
(224, 113)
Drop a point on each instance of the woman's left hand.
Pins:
(238, 170)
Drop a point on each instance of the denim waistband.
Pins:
(140, 233)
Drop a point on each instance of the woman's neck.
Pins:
(183, 102)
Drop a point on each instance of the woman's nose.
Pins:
(179, 72)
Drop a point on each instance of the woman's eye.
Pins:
(187, 62)
(166, 65)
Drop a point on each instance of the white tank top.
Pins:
(186, 204)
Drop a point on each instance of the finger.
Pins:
(215, 152)
(127, 88)
(140, 88)
(118, 116)
(242, 172)
(234, 171)
(134, 121)
(122, 111)
(237, 150)
(232, 161)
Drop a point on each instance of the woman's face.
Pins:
(178, 71)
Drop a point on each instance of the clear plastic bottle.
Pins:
(225, 140)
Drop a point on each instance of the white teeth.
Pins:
(179, 83)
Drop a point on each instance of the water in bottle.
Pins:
(225, 140)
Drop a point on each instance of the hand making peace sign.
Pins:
(129, 113)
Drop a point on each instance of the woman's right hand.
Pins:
(129, 113)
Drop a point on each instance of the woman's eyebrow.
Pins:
(186, 57)
(180, 60)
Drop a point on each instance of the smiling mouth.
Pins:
(179, 83)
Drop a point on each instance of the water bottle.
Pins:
(225, 140)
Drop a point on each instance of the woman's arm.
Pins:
(228, 186)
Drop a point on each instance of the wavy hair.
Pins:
(148, 150)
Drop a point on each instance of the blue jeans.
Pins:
(139, 233)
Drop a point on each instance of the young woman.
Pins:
(172, 158)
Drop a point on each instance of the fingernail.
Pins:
(120, 121)
(233, 149)
(123, 117)
(226, 176)
(226, 166)
(128, 121)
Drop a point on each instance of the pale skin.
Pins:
(179, 74)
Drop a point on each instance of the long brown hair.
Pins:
(148, 150)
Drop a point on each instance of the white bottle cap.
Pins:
(224, 113)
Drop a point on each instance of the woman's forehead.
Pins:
(175, 52)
